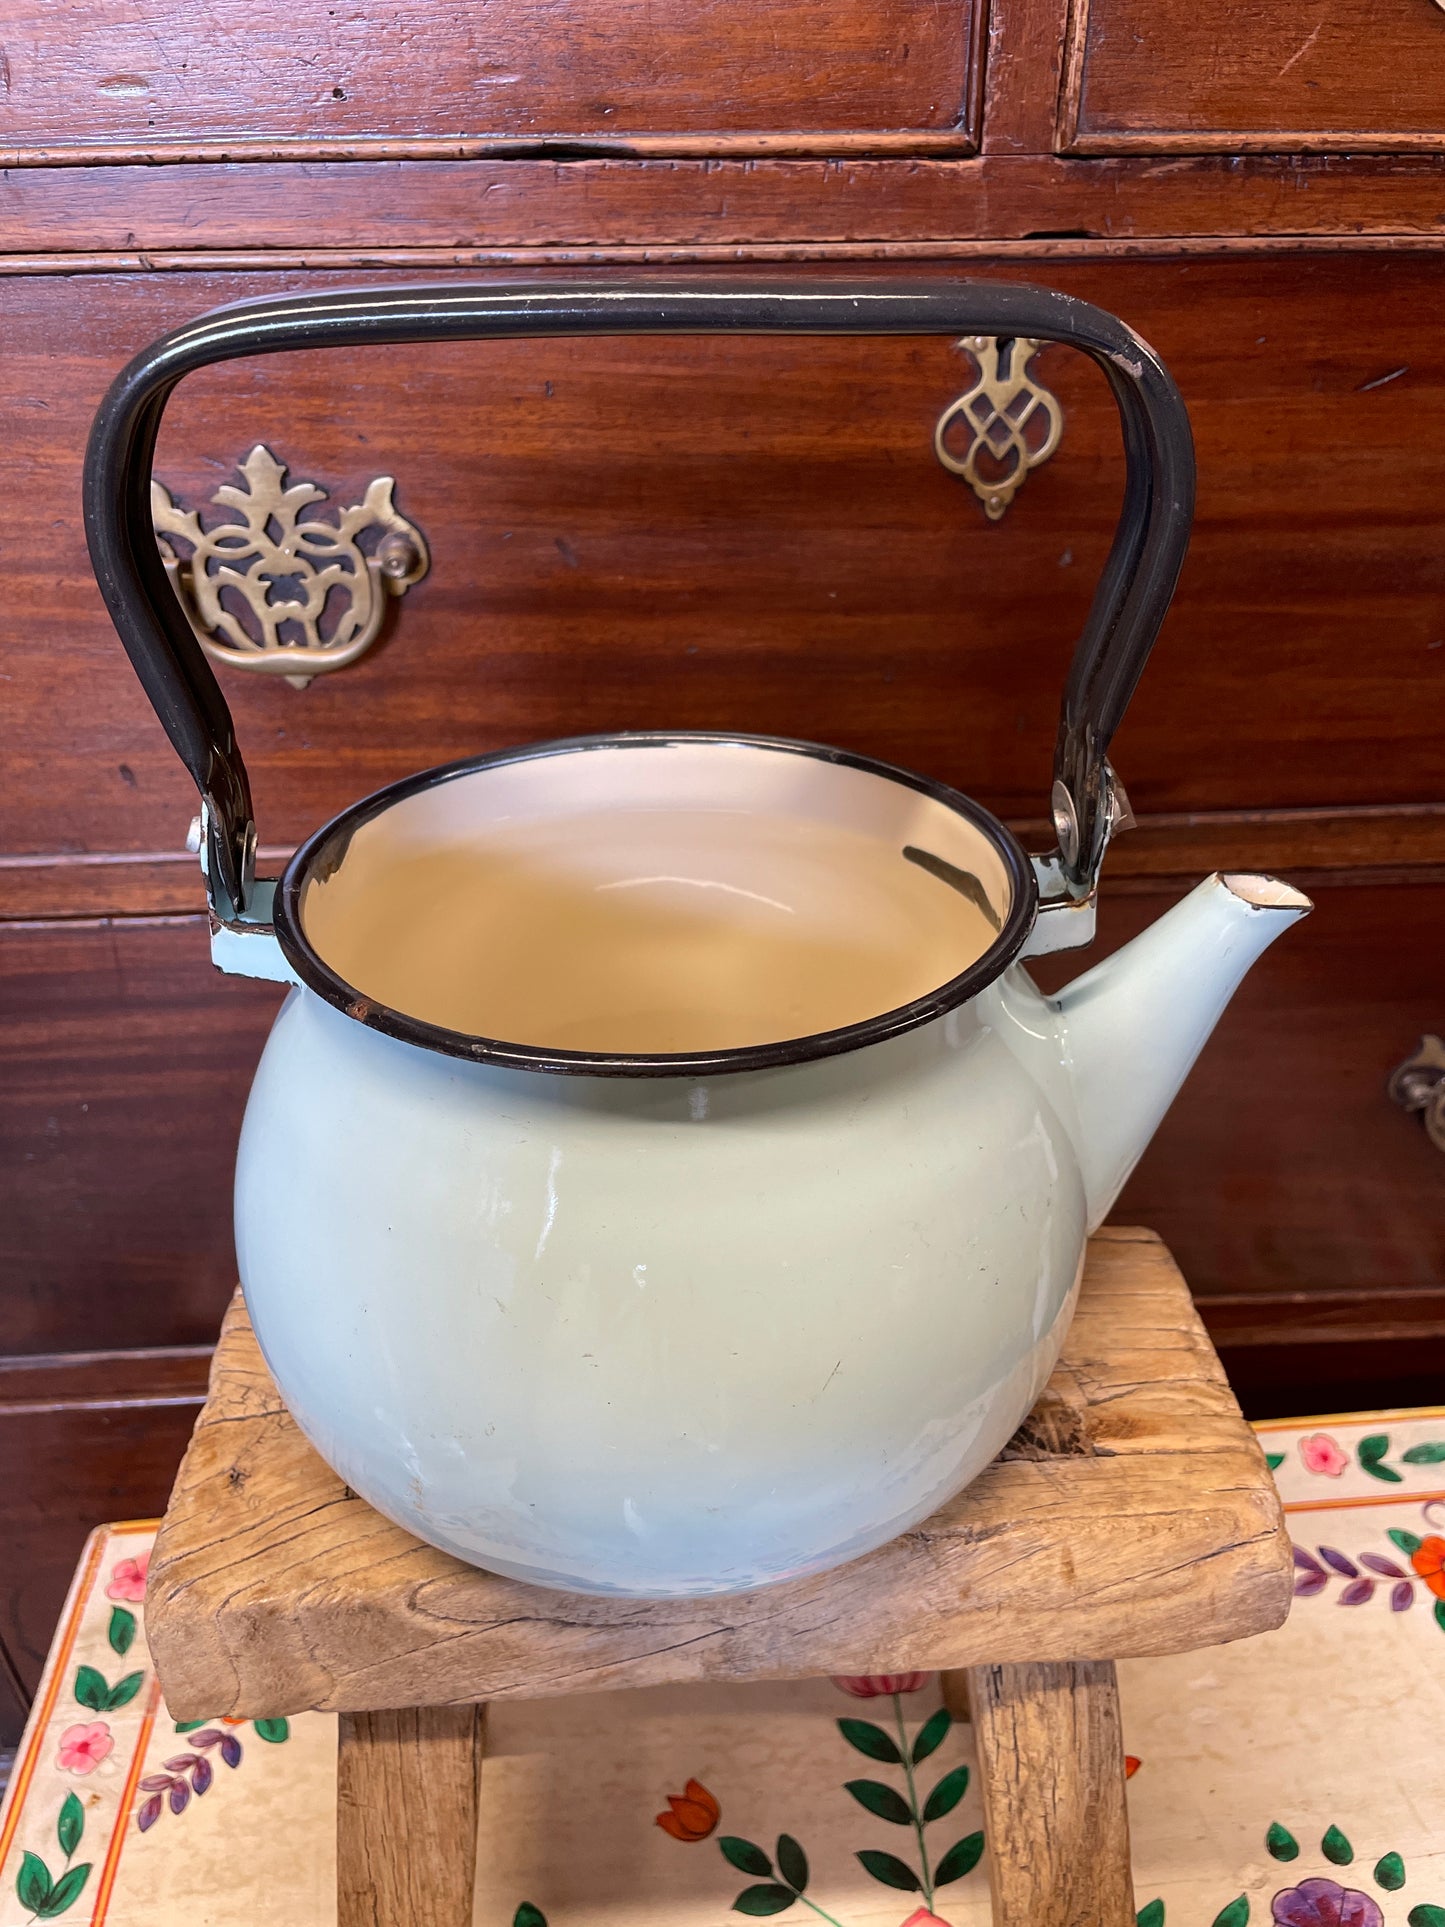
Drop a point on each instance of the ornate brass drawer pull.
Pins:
(1010, 421)
(1419, 1085)
(280, 593)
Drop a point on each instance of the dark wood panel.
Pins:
(667, 204)
(754, 534)
(1283, 1166)
(124, 1065)
(1254, 74)
(95, 1439)
(360, 78)
(143, 1375)
(1368, 1374)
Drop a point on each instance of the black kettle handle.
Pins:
(1129, 603)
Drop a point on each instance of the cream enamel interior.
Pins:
(657, 898)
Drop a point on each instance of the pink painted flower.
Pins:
(128, 1578)
(920, 1917)
(872, 1686)
(1321, 1454)
(1325, 1903)
(82, 1748)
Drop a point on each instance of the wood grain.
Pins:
(408, 1783)
(1299, 1173)
(1132, 1514)
(362, 83)
(1240, 76)
(124, 1066)
(566, 203)
(1051, 1768)
(755, 534)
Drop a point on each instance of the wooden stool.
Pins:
(1131, 1514)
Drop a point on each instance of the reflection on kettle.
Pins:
(664, 1177)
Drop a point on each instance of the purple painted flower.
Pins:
(1324, 1903)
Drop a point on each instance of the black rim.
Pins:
(325, 851)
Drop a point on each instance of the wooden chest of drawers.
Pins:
(741, 534)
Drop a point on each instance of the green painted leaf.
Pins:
(275, 1731)
(1373, 1448)
(1235, 1914)
(931, 1734)
(71, 1824)
(65, 1892)
(32, 1883)
(191, 1726)
(870, 1739)
(1440, 1614)
(1335, 1848)
(962, 1857)
(122, 1630)
(1274, 1460)
(90, 1688)
(529, 1916)
(744, 1855)
(1281, 1842)
(1390, 1872)
(1432, 1453)
(888, 1868)
(881, 1800)
(792, 1863)
(947, 1794)
(123, 1692)
(1426, 1915)
(1385, 1472)
(1406, 1541)
(769, 1898)
(1151, 1914)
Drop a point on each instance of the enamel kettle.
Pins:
(663, 1178)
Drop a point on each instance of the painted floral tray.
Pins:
(1295, 1779)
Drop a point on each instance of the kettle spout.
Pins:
(1134, 1024)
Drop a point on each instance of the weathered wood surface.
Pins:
(407, 1787)
(1131, 1514)
(1051, 1768)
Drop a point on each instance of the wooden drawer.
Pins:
(510, 76)
(753, 534)
(1254, 76)
(124, 1066)
(1284, 1169)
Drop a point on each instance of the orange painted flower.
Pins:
(920, 1917)
(872, 1686)
(1428, 1559)
(1131, 1766)
(694, 1813)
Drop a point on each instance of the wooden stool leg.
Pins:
(1051, 1763)
(407, 1784)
